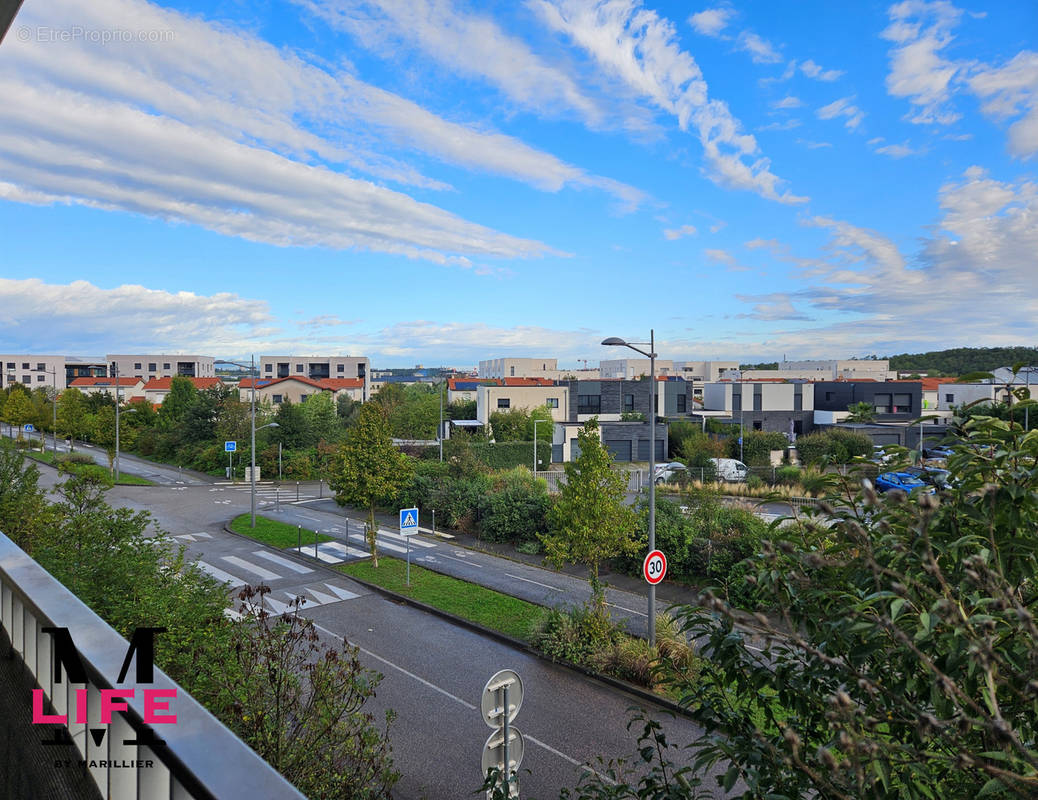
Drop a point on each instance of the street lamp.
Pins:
(54, 413)
(613, 341)
(252, 414)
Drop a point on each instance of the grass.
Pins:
(274, 532)
(494, 610)
(125, 479)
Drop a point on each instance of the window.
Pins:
(883, 403)
(40, 367)
(758, 425)
(303, 397)
(902, 403)
(628, 402)
(26, 378)
(268, 368)
(10, 365)
(552, 402)
(682, 407)
(165, 365)
(299, 367)
(512, 371)
(830, 396)
(277, 399)
(137, 365)
(503, 402)
(949, 398)
(736, 401)
(40, 378)
(758, 402)
(340, 368)
(151, 366)
(589, 404)
(25, 365)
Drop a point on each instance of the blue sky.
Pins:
(427, 181)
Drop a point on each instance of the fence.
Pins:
(636, 481)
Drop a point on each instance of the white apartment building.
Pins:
(32, 371)
(519, 368)
(831, 370)
(697, 372)
(160, 365)
(317, 368)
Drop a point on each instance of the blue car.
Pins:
(902, 481)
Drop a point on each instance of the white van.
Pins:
(730, 469)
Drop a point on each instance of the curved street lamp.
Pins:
(614, 341)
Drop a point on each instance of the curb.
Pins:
(519, 644)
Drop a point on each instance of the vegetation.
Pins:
(861, 412)
(962, 360)
(274, 532)
(832, 446)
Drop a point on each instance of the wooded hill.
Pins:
(962, 360)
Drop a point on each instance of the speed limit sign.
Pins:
(655, 567)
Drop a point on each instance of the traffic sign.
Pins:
(230, 447)
(28, 427)
(490, 704)
(494, 751)
(408, 521)
(655, 567)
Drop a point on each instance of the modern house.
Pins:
(524, 394)
(297, 389)
(157, 389)
(129, 388)
(767, 405)
(317, 368)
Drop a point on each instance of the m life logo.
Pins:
(156, 701)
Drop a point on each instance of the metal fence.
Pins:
(637, 479)
(199, 757)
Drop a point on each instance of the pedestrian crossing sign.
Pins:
(408, 521)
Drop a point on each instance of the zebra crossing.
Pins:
(269, 494)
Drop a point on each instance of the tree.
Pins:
(899, 659)
(512, 426)
(102, 432)
(368, 470)
(174, 407)
(319, 413)
(861, 412)
(346, 409)
(18, 409)
(590, 520)
(72, 413)
(292, 431)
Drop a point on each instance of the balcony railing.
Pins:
(200, 758)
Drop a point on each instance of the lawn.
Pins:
(125, 479)
(274, 532)
(494, 610)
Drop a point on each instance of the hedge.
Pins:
(506, 455)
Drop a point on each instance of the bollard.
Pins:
(321, 489)
(316, 537)
(297, 491)
(277, 500)
(299, 539)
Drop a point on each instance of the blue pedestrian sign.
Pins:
(408, 521)
(28, 427)
(230, 447)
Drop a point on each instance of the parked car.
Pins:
(933, 475)
(902, 481)
(730, 469)
(664, 472)
(942, 451)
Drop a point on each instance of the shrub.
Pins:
(788, 476)
(530, 547)
(834, 445)
(575, 635)
(757, 446)
(754, 482)
(517, 509)
(74, 458)
(506, 455)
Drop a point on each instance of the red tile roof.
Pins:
(104, 382)
(329, 384)
(165, 384)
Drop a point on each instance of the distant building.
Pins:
(149, 366)
(318, 368)
(76, 367)
(296, 390)
(524, 395)
(771, 405)
(129, 388)
(32, 371)
(846, 369)
(157, 389)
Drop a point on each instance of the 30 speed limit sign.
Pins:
(655, 567)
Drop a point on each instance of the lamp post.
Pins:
(613, 341)
(439, 432)
(252, 447)
(535, 423)
(54, 413)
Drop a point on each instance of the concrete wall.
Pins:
(489, 400)
(961, 393)
(518, 368)
(33, 371)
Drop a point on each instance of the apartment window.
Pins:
(503, 402)
(10, 365)
(299, 367)
(949, 398)
(165, 365)
(736, 401)
(552, 402)
(758, 402)
(26, 378)
(25, 365)
(830, 396)
(303, 397)
(268, 368)
(151, 366)
(40, 378)
(628, 402)
(277, 399)
(902, 403)
(342, 368)
(137, 365)
(589, 404)
(40, 367)
(512, 371)
(883, 403)
(682, 400)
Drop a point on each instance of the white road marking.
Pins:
(312, 519)
(629, 610)
(344, 594)
(220, 575)
(322, 598)
(284, 562)
(396, 536)
(463, 561)
(570, 759)
(264, 574)
(546, 586)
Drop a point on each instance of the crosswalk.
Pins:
(310, 596)
(268, 494)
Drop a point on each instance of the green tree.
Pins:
(320, 416)
(18, 409)
(346, 409)
(861, 412)
(512, 426)
(72, 414)
(102, 433)
(293, 431)
(368, 470)
(590, 520)
(182, 395)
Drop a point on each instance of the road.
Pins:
(434, 670)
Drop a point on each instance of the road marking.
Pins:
(265, 574)
(282, 561)
(220, 575)
(546, 586)
(629, 610)
(462, 560)
(570, 759)
(344, 594)
(414, 542)
(409, 674)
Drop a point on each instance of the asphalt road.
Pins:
(434, 671)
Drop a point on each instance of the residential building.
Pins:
(129, 388)
(893, 401)
(631, 368)
(149, 366)
(76, 367)
(157, 389)
(952, 395)
(378, 380)
(609, 399)
(524, 396)
(773, 405)
(518, 368)
(625, 441)
(318, 368)
(296, 390)
(847, 369)
(32, 371)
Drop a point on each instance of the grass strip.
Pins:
(125, 479)
(274, 532)
(494, 610)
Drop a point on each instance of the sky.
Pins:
(440, 182)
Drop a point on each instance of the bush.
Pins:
(834, 446)
(575, 635)
(459, 502)
(506, 455)
(530, 547)
(73, 458)
(757, 446)
(788, 476)
(517, 509)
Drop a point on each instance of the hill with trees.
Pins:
(962, 360)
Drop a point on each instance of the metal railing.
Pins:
(199, 756)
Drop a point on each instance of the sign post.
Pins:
(230, 447)
(408, 528)
(499, 705)
(654, 568)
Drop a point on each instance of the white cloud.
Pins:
(771, 307)
(788, 125)
(711, 21)
(639, 48)
(813, 70)
(843, 108)
(1009, 91)
(761, 50)
(811, 145)
(787, 102)
(727, 259)
(679, 233)
(897, 150)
